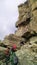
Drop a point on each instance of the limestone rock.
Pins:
(22, 29)
(12, 39)
(2, 48)
(26, 56)
(24, 13)
(26, 32)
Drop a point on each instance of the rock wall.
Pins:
(26, 33)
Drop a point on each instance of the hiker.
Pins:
(13, 57)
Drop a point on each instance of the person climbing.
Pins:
(13, 57)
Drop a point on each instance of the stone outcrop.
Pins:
(33, 9)
(23, 14)
(26, 55)
(27, 22)
(23, 20)
(27, 28)
(12, 39)
(26, 33)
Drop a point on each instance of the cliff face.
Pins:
(23, 14)
(33, 9)
(26, 33)
(23, 20)
(27, 20)
(28, 53)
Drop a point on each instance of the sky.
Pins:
(8, 16)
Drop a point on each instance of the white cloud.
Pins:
(8, 16)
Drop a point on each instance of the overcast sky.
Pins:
(8, 16)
